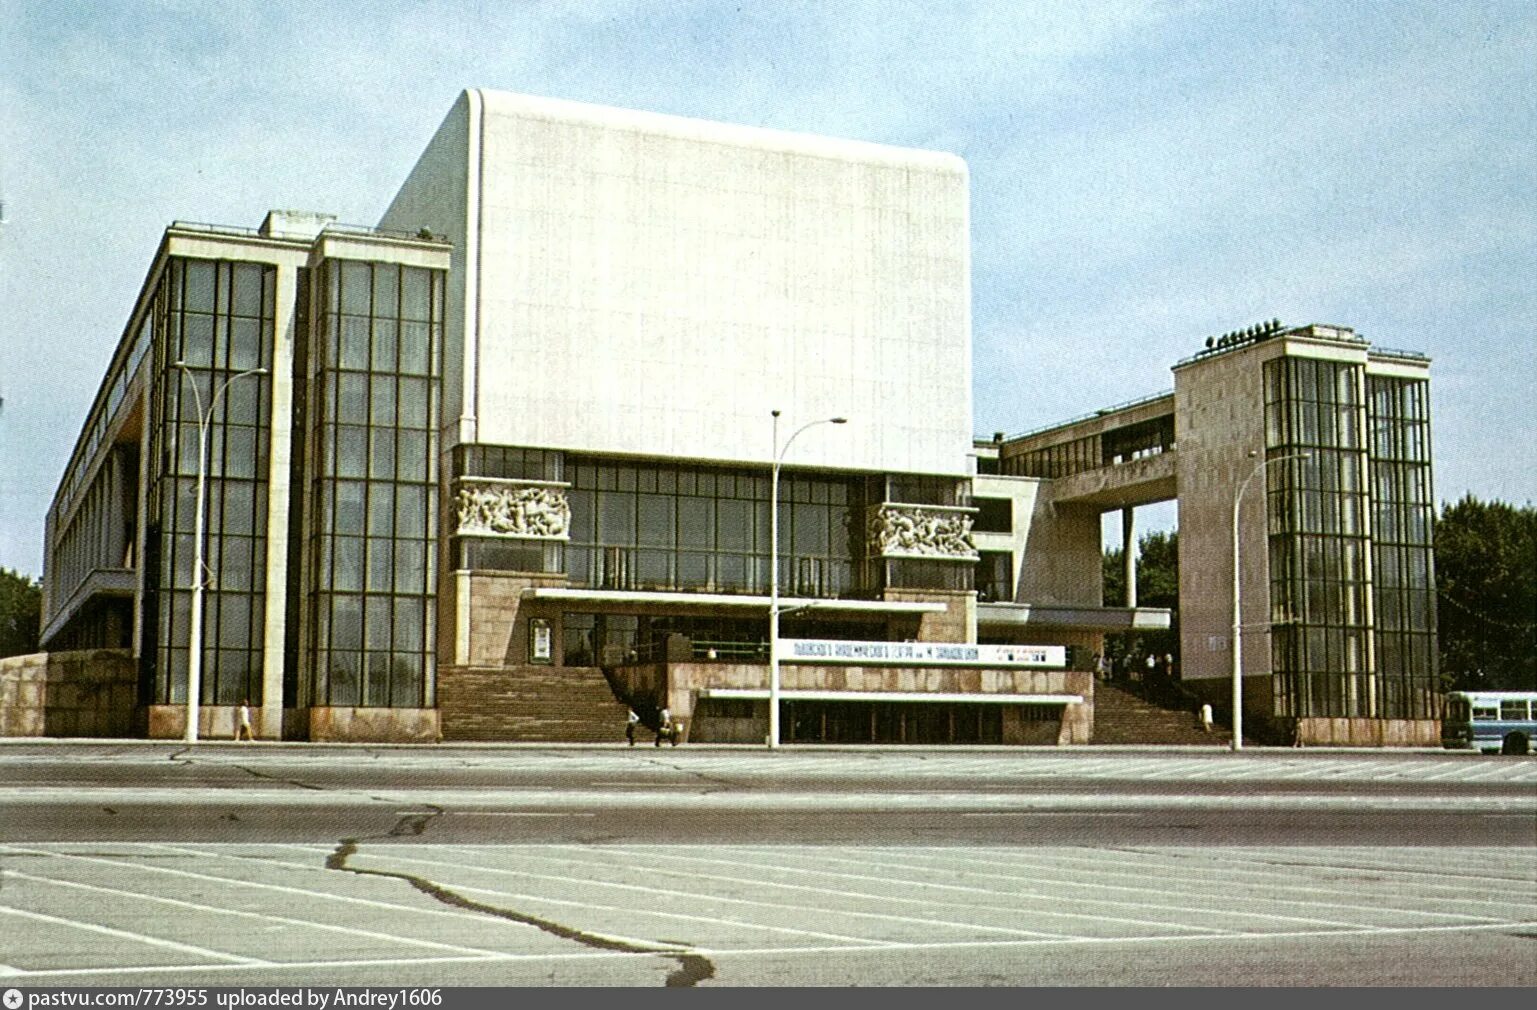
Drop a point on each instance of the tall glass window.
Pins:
(216, 317)
(1403, 585)
(373, 400)
(1318, 538)
(636, 526)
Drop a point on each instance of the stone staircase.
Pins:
(1121, 717)
(530, 704)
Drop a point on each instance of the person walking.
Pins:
(663, 726)
(631, 721)
(243, 721)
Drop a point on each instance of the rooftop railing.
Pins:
(1102, 412)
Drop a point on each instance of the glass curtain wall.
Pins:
(662, 527)
(217, 317)
(1403, 579)
(373, 400)
(1320, 623)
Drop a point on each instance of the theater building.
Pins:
(501, 466)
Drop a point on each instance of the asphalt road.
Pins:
(262, 864)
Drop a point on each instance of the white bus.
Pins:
(1503, 721)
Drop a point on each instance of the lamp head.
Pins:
(839, 420)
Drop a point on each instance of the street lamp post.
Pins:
(1259, 468)
(195, 635)
(779, 454)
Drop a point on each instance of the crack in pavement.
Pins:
(692, 968)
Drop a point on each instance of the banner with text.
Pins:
(832, 650)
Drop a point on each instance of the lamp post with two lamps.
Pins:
(779, 455)
(1238, 594)
(195, 636)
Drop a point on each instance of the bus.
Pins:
(1503, 721)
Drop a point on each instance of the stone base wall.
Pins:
(214, 722)
(23, 694)
(558, 704)
(90, 693)
(338, 724)
(1369, 732)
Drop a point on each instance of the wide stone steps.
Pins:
(1121, 717)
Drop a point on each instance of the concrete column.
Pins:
(1129, 553)
(279, 495)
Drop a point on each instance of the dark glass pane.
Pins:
(381, 560)
(198, 285)
(245, 344)
(410, 511)
(352, 446)
(410, 566)
(354, 343)
(197, 346)
(381, 509)
(386, 289)
(413, 403)
(383, 356)
(381, 454)
(356, 282)
(352, 393)
(415, 301)
(415, 341)
(347, 565)
(657, 522)
(408, 624)
(349, 506)
(411, 456)
(382, 408)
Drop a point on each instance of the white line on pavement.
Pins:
(241, 913)
(123, 934)
(897, 899)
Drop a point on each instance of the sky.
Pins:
(1143, 175)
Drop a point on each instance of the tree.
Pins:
(1157, 586)
(21, 602)
(1486, 595)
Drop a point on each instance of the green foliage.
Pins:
(1486, 589)
(21, 601)
(1157, 586)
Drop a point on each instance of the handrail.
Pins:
(1129, 404)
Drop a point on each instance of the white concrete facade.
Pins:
(632, 283)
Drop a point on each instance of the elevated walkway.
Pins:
(1119, 457)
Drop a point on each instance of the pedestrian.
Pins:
(243, 721)
(663, 726)
(631, 721)
(1206, 717)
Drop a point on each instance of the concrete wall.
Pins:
(1062, 563)
(655, 285)
(1219, 419)
(91, 693)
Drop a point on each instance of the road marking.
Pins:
(1143, 871)
(720, 953)
(492, 813)
(123, 934)
(586, 904)
(896, 899)
(235, 882)
(241, 913)
(1078, 884)
(766, 904)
